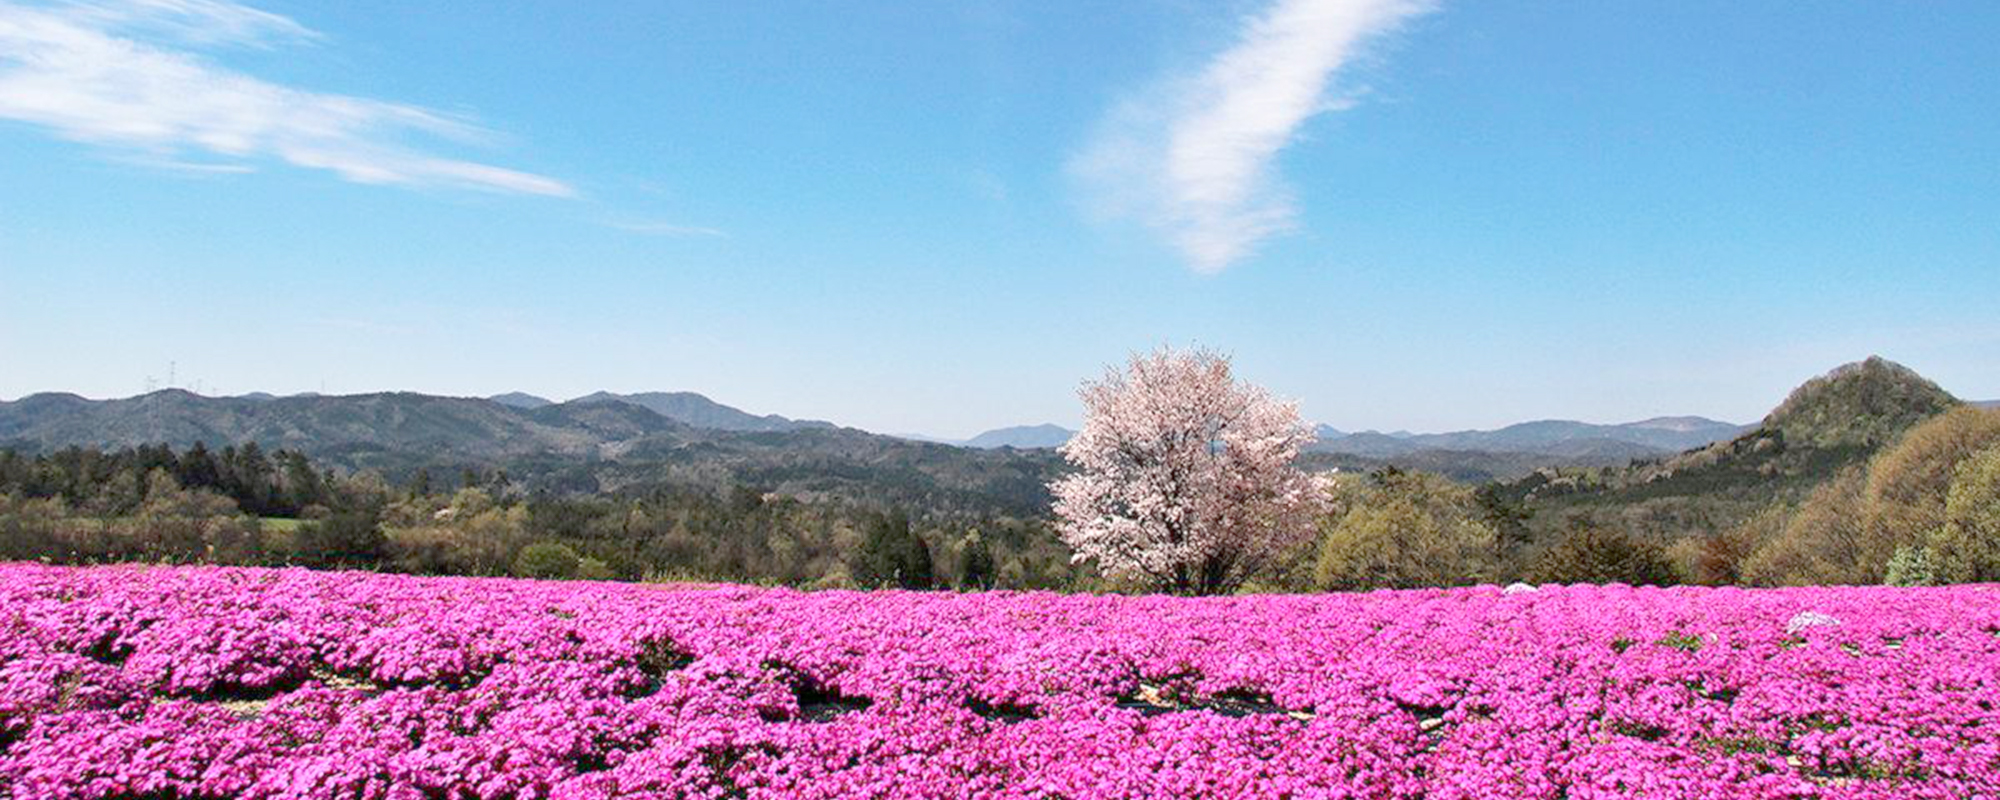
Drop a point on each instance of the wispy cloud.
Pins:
(1192, 157)
(137, 75)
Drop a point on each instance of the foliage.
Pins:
(975, 563)
(1911, 566)
(547, 560)
(89, 506)
(1184, 477)
(591, 569)
(1820, 542)
(1967, 545)
(1590, 554)
(351, 538)
(1828, 425)
(1908, 484)
(1869, 403)
(891, 555)
(1718, 559)
(1848, 530)
(115, 483)
(1397, 529)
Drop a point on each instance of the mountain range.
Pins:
(609, 442)
(1564, 440)
(1581, 441)
(599, 443)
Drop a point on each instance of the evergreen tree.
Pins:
(975, 563)
(891, 555)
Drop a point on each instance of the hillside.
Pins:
(1830, 422)
(601, 443)
(700, 412)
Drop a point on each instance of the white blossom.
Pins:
(1184, 477)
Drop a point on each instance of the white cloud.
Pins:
(131, 74)
(1192, 157)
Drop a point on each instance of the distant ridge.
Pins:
(602, 443)
(698, 411)
(1650, 437)
(1022, 436)
(521, 400)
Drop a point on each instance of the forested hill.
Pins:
(598, 444)
(1829, 423)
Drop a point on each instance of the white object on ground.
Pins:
(1809, 619)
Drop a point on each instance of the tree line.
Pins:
(240, 505)
(1182, 480)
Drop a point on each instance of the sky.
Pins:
(940, 218)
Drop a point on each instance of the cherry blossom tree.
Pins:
(1184, 477)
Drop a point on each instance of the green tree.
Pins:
(1821, 542)
(349, 538)
(1404, 530)
(975, 563)
(1908, 483)
(1966, 548)
(893, 555)
(1911, 566)
(549, 560)
(1592, 554)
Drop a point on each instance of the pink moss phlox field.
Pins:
(124, 682)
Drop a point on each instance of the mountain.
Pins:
(1864, 404)
(1657, 436)
(1987, 403)
(453, 427)
(701, 412)
(521, 400)
(1022, 436)
(1825, 425)
(608, 444)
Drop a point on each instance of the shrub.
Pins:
(1590, 554)
(1911, 566)
(591, 569)
(547, 560)
(343, 538)
(1404, 530)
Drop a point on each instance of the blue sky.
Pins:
(941, 218)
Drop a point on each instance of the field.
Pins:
(218, 682)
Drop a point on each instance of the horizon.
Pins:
(943, 438)
(1413, 216)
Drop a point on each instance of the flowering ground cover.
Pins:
(213, 682)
